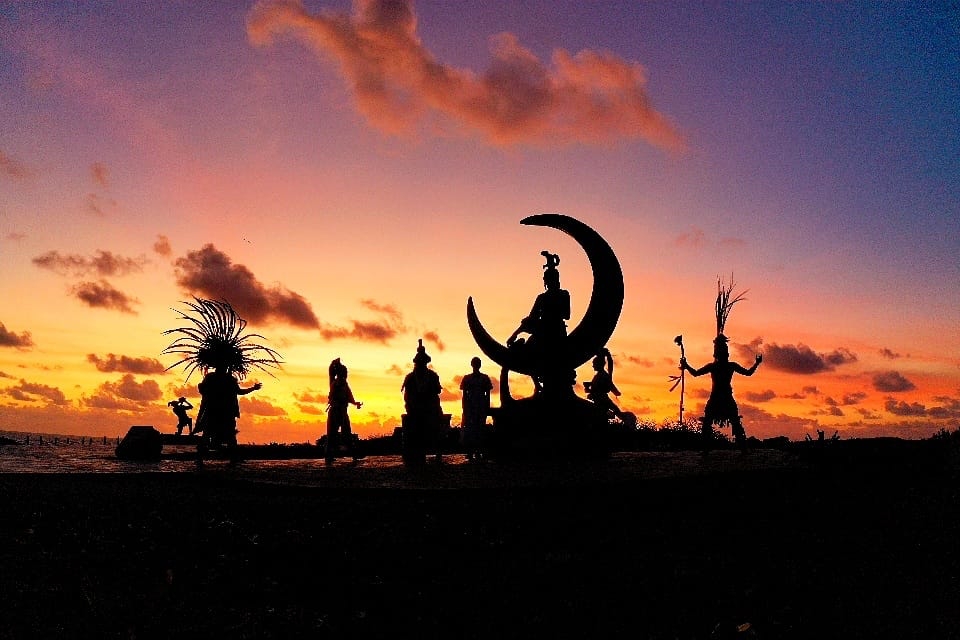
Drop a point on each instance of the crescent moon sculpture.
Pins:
(600, 319)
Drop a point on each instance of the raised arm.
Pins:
(255, 387)
(748, 372)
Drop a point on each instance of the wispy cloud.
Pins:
(12, 168)
(696, 238)
(12, 339)
(100, 174)
(103, 295)
(162, 246)
(211, 273)
(101, 264)
(126, 364)
(592, 97)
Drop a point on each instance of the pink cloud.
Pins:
(13, 168)
(162, 246)
(591, 97)
(100, 174)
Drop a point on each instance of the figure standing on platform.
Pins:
(180, 407)
(338, 420)
(476, 388)
(721, 407)
(421, 398)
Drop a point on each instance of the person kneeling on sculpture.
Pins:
(599, 389)
(338, 419)
(421, 399)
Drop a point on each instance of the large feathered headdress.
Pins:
(215, 340)
(723, 305)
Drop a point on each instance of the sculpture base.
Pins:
(541, 427)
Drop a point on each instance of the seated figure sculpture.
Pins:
(546, 324)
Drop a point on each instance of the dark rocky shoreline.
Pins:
(839, 543)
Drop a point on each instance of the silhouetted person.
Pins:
(721, 407)
(546, 322)
(476, 388)
(220, 407)
(601, 386)
(338, 421)
(421, 398)
(180, 407)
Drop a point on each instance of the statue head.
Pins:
(551, 276)
(422, 357)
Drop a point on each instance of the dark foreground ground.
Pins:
(844, 542)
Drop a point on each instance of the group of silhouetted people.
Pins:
(424, 424)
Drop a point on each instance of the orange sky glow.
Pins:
(348, 174)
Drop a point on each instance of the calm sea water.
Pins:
(50, 453)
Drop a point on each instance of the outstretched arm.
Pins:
(684, 366)
(255, 387)
(748, 372)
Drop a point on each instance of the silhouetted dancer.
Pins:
(721, 407)
(180, 407)
(214, 339)
(421, 398)
(338, 420)
(476, 388)
(220, 407)
(601, 386)
(546, 323)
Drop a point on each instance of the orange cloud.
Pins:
(592, 97)
(126, 364)
(33, 392)
(103, 295)
(11, 339)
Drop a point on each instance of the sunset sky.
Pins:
(346, 175)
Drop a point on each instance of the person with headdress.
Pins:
(338, 420)
(215, 339)
(476, 388)
(721, 407)
(180, 407)
(421, 398)
(220, 393)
